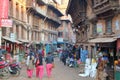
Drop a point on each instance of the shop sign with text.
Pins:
(6, 23)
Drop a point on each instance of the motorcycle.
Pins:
(14, 69)
(4, 72)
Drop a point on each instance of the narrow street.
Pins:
(59, 72)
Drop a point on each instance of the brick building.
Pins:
(96, 23)
(33, 21)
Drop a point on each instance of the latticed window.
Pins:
(109, 25)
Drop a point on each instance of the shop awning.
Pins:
(24, 41)
(102, 40)
(9, 39)
(37, 42)
(30, 43)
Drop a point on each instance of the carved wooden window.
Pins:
(28, 35)
(83, 34)
(22, 13)
(28, 18)
(22, 33)
(94, 28)
(35, 38)
(35, 21)
(17, 31)
(4, 31)
(17, 11)
(109, 25)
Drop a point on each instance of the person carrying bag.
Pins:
(49, 64)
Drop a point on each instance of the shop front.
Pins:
(117, 71)
(118, 47)
(107, 46)
(22, 49)
(11, 46)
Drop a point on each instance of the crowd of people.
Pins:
(99, 66)
(73, 55)
(35, 60)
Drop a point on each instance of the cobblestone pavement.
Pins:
(60, 72)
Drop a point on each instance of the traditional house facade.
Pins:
(65, 33)
(77, 10)
(33, 21)
(45, 20)
(105, 29)
(36, 13)
(11, 36)
(102, 29)
(17, 12)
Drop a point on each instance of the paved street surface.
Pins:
(60, 72)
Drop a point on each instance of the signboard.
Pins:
(60, 39)
(99, 28)
(6, 23)
(4, 8)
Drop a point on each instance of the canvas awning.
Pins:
(102, 40)
(9, 39)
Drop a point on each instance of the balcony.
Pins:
(35, 28)
(35, 21)
(54, 19)
(41, 11)
(78, 18)
(50, 31)
(101, 6)
(94, 35)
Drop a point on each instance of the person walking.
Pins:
(49, 64)
(30, 64)
(43, 52)
(39, 66)
(64, 56)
